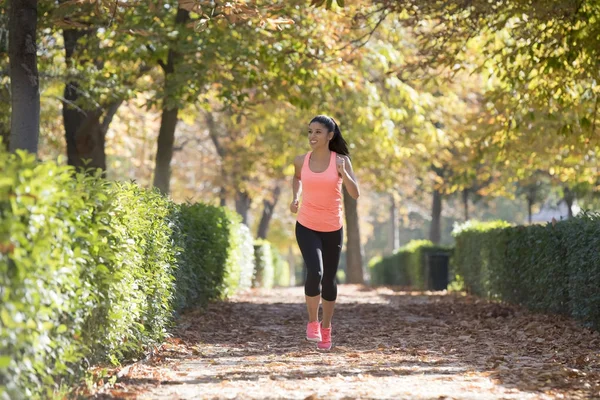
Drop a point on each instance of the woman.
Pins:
(319, 175)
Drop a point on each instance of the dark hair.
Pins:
(337, 143)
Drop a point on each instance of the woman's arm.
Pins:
(348, 178)
(296, 183)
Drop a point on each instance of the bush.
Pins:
(476, 274)
(406, 267)
(140, 258)
(93, 271)
(53, 237)
(282, 269)
(552, 268)
(214, 262)
(582, 251)
(240, 261)
(264, 271)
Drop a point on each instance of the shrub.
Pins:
(551, 268)
(214, 261)
(476, 273)
(281, 267)
(264, 272)
(139, 258)
(582, 261)
(406, 267)
(240, 261)
(93, 271)
(47, 268)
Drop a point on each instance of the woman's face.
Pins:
(318, 136)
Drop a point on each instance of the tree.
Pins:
(24, 77)
(166, 136)
(540, 61)
(354, 250)
(239, 60)
(535, 190)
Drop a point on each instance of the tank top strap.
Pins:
(306, 159)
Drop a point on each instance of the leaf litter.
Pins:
(388, 344)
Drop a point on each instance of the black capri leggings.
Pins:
(321, 253)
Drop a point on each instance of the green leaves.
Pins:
(406, 266)
(93, 270)
(213, 260)
(328, 3)
(4, 361)
(549, 268)
(264, 271)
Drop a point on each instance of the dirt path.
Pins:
(387, 345)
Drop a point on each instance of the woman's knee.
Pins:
(329, 291)
(314, 276)
(313, 281)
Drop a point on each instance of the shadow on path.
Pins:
(387, 344)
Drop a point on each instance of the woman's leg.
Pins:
(332, 248)
(312, 252)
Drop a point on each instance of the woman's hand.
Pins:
(341, 165)
(294, 206)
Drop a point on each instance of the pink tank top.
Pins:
(321, 208)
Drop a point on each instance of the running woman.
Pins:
(319, 175)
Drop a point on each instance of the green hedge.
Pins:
(551, 268)
(212, 238)
(264, 272)
(476, 273)
(282, 269)
(93, 271)
(271, 269)
(406, 267)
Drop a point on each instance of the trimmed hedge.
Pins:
(476, 273)
(264, 272)
(550, 268)
(271, 269)
(212, 238)
(282, 269)
(406, 267)
(92, 270)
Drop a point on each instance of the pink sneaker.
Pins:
(313, 331)
(325, 342)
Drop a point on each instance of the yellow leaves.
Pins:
(421, 147)
(278, 22)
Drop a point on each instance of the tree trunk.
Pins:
(269, 206)
(435, 231)
(393, 238)
(73, 116)
(242, 205)
(90, 138)
(5, 137)
(569, 197)
(24, 78)
(531, 198)
(354, 262)
(164, 153)
(465, 199)
(168, 123)
(72, 119)
(215, 137)
(223, 196)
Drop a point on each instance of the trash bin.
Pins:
(437, 270)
